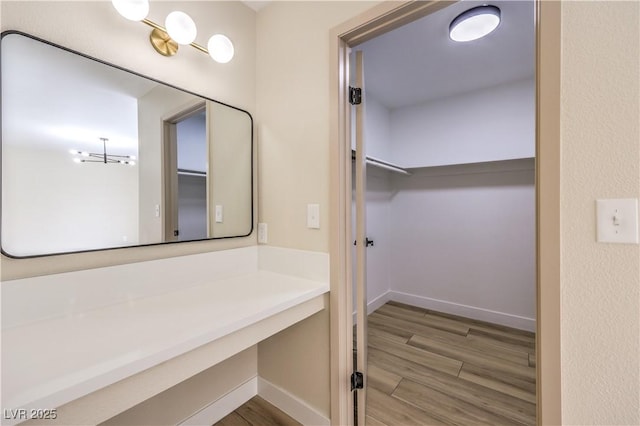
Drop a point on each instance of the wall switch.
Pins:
(313, 216)
(262, 233)
(218, 213)
(617, 220)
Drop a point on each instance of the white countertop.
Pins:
(52, 362)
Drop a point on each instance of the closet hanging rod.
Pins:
(384, 165)
(187, 172)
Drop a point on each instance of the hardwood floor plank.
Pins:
(417, 355)
(431, 321)
(233, 419)
(513, 345)
(405, 329)
(259, 412)
(393, 411)
(532, 360)
(469, 355)
(370, 421)
(527, 384)
(496, 402)
(404, 326)
(395, 336)
(482, 324)
(505, 388)
(445, 407)
(383, 380)
(406, 307)
(400, 311)
(503, 336)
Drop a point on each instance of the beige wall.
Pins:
(293, 112)
(96, 29)
(600, 159)
(293, 133)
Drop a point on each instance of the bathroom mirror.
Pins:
(97, 157)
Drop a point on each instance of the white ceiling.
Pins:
(419, 62)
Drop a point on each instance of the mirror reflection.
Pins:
(97, 157)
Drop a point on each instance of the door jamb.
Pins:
(169, 166)
(376, 21)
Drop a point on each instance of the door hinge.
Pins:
(368, 242)
(357, 380)
(355, 95)
(176, 233)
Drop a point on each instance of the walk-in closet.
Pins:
(449, 130)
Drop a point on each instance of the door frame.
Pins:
(169, 166)
(379, 20)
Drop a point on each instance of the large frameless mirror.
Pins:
(97, 157)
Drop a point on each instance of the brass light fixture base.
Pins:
(162, 43)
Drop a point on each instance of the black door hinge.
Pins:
(367, 241)
(357, 380)
(176, 233)
(355, 95)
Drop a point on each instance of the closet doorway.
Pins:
(444, 181)
(186, 153)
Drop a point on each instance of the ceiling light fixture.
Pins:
(92, 157)
(474, 23)
(180, 29)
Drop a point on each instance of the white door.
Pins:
(357, 99)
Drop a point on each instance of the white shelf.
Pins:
(52, 362)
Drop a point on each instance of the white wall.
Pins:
(495, 123)
(377, 122)
(463, 242)
(459, 239)
(192, 143)
(53, 205)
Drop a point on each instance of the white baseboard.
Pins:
(376, 303)
(509, 320)
(225, 405)
(290, 404)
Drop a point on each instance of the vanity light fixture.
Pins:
(179, 29)
(92, 157)
(474, 23)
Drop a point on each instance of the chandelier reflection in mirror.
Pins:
(179, 29)
(95, 157)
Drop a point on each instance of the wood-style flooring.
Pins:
(257, 412)
(431, 368)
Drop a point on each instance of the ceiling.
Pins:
(418, 62)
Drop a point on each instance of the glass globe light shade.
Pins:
(220, 48)
(181, 27)
(134, 10)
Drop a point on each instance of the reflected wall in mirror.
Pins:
(97, 157)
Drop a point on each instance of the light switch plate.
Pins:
(262, 233)
(313, 216)
(219, 213)
(617, 220)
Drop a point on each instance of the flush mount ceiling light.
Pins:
(474, 23)
(180, 29)
(94, 157)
